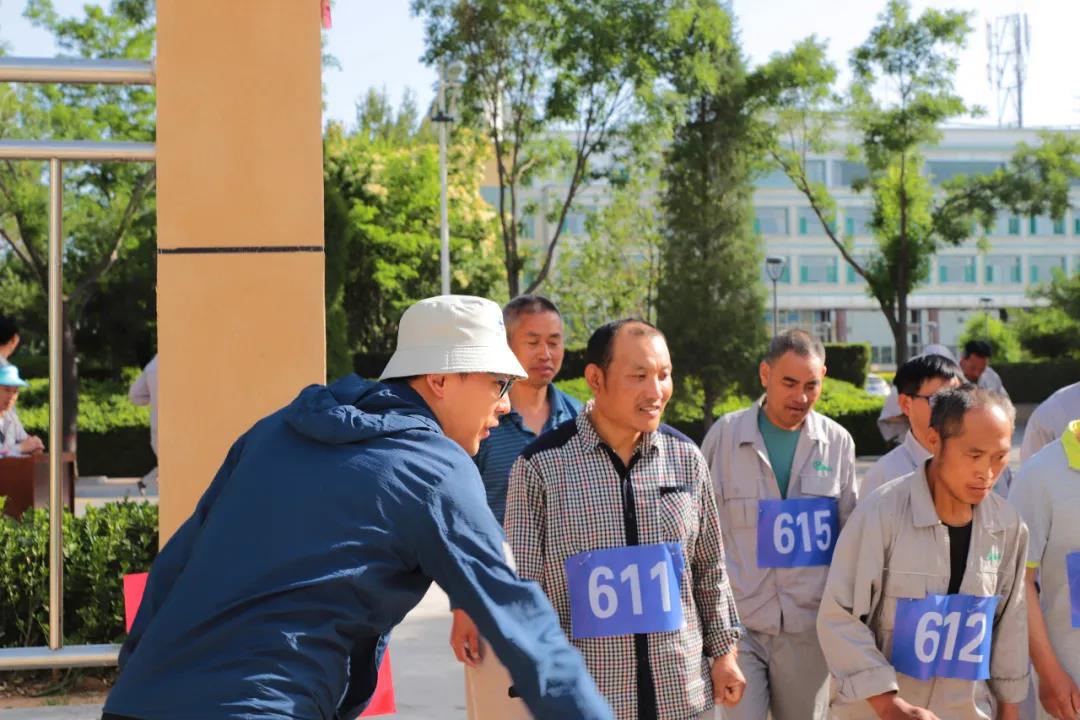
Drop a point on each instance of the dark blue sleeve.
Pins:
(463, 551)
(172, 559)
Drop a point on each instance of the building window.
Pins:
(1076, 226)
(1041, 225)
(854, 278)
(942, 170)
(1059, 227)
(815, 171)
(846, 172)
(857, 221)
(528, 227)
(954, 269)
(881, 354)
(816, 269)
(1003, 269)
(1042, 267)
(1014, 225)
(770, 221)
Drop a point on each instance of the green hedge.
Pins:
(99, 549)
(114, 435)
(848, 361)
(1033, 382)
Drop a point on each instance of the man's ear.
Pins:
(437, 384)
(594, 376)
(905, 403)
(763, 373)
(934, 441)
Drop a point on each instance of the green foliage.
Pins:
(532, 68)
(615, 271)
(710, 302)
(382, 225)
(114, 435)
(1033, 382)
(848, 361)
(1003, 337)
(901, 95)
(1053, 331)
(99, 549)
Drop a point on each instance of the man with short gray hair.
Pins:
(923, 614)
(785, 482)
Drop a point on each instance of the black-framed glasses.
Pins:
(505, 383)
(927, 398)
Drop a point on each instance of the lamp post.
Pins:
(774, 268)
(443, 116)
(985, 303)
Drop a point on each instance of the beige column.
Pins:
(240, 227)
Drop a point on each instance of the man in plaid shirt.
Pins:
(602, 511)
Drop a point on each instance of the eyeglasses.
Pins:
(917, 396)
(505, 383)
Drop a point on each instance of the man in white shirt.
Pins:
(975, 362)
(916, 382)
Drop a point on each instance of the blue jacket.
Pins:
(326, 524)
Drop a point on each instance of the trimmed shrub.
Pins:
(849, 362)
(99, 549)
(1033, 382)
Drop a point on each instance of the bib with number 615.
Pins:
(799, 532)
(625, 591)
(946, 636)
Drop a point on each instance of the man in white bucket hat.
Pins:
(326, 525)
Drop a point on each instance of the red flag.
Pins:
(134, 587)
(326, 14)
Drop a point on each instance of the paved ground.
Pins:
(428, 682)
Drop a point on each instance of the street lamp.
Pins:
(774, 268)
(985, 303)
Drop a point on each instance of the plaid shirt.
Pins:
(565, 497)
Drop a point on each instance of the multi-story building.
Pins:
(819, 291)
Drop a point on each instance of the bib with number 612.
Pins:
(946, 636)
(625, 591)
(799, 532)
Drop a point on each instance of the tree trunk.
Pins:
(900, 333)
(513, 277)
(70, 378)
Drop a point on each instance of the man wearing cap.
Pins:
(1049, 420)
(14, 440)
(326, 524)
(785, 482)
(916, 382)
(923, 614)
(613, 514)
(1047, 496)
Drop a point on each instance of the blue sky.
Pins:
(379, 44)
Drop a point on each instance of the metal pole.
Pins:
(76, 70)
(78, 150)
(36, 658)
(444, 221)
(774, 318)
(56, 408)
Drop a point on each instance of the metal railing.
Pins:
(47, 70)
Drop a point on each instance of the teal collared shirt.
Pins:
(506, 442)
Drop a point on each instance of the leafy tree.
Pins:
(556, 85)
(614, 272)
(1002, 336)
(710, 301)
(1053, 331)
(108, 208)
(381, 186)
(901, 94)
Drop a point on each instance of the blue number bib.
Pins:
(624, 591)
(797, 533)
(1072, 570)
(946, 636)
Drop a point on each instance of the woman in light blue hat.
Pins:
(14, 439)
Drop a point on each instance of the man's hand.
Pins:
(1059, 695)
(890, 706)
(31, 445)
(728, 682)
(465, 639)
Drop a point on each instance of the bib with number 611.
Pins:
(799, 532)
(625, 591)
(946, 636)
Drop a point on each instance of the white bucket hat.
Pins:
(452, 334)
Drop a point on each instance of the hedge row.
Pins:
(1033, 382)
(99, 549)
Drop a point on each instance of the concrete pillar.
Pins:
(241, 323)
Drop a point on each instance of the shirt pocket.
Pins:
(678, 519)
(740, 497)
(820, 485)
(899, 586)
